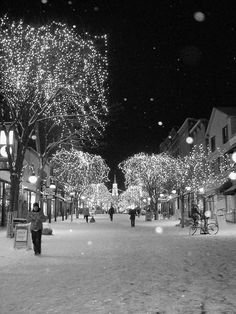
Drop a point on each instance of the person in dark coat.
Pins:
(132, 214)
(36, 218)
(195, 214)
(86, 213)
(111, 212)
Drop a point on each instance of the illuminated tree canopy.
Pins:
(77, 170)
(98, 194)
(149, 171)
(51, 72)
(53, 86)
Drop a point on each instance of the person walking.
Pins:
(195, 214)
(132, 214)
(111, 212)
(36, 218)
(86, 213)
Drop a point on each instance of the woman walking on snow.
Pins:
(36, 218)
(132, 214)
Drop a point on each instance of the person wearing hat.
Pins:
(36, 218)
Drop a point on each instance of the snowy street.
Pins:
(109, 267)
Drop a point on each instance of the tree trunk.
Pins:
(14, 198)
(182, 210)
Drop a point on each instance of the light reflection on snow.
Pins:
(89, 242)
(70, 230)
(82, 253)
(159, 230)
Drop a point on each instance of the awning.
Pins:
(231, 190)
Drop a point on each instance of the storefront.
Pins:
(4, 202)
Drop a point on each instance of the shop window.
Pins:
(213, 143)
(225, 134)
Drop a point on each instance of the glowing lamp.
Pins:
(201, 190)
(232, 175)
(234, 156)
(52, 185)
(189, 140)
(33, 179)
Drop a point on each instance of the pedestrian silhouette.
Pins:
(36, 218)
(111, 212)
(86, 213)
(132, 214)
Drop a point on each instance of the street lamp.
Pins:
(33, 178)
(232, 175)
(52, 185)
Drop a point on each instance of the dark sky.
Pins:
(166, 62)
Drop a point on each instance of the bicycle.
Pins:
(209, 228)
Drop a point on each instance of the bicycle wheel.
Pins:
(212, 228)
(192, 230)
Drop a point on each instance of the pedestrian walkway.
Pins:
(109, 267)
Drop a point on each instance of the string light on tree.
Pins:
(160, 123)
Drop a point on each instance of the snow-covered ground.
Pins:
(109, 267)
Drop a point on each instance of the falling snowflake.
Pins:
(160, 123)
(159, 230)
(199, 16)
(44, 1)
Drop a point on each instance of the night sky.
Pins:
(168, 60)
